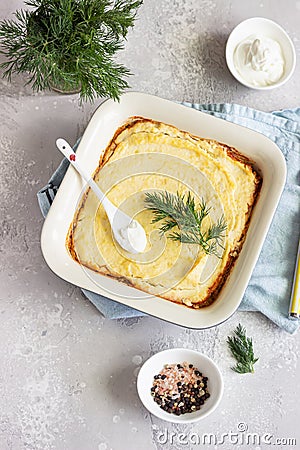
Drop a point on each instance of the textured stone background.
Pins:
(67, 376)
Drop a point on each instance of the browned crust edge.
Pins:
(219, 283)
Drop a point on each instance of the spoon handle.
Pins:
(69, 153)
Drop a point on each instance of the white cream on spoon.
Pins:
(259, 60)
(133, 233)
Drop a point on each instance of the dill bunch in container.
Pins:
(69, 45)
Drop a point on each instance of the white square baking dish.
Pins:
(105, 121)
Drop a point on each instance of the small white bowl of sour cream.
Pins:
(260, 54)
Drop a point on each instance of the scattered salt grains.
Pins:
(102, 446)
(136, 371)
(137, 360)
(116, 419)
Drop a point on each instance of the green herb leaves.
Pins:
(69, 44)
(241, 348)
(181, 211)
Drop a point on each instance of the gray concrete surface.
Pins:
(67, 375)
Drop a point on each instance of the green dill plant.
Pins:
(69, 45)
(182, 219)
(241, 348)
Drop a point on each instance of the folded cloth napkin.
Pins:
(269, 289)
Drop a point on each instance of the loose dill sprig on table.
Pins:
(181, 211)
(241, 348)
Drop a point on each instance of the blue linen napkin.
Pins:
(269, 289)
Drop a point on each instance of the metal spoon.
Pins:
(129, 233)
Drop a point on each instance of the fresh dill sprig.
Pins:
(70, 45)
(181, 211)
(241, 348)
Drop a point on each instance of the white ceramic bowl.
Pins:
(178, 355)
(261, 26)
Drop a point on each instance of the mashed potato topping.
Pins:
(145, 155)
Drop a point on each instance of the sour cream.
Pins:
(133, 237)
(259, 60)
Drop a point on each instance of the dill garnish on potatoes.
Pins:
(181, 212)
